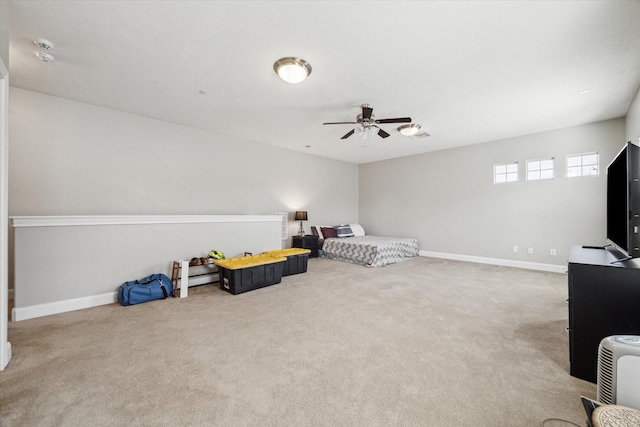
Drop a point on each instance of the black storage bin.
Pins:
(297, 260)
(295, 264)
(244, 279)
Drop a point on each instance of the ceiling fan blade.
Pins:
(382, 133)
(340, 123)
(348, 134)
(398, 120)
(366, 112)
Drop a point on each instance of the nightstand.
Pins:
(307, 242)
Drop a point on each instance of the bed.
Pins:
(367, 250)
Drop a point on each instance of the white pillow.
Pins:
(357, 229)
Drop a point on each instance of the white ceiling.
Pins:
(468, 72)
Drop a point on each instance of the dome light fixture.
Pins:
(292, 70)
(409, 130)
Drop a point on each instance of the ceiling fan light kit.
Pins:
(292, 70)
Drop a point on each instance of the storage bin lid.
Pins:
(288, 252)
(248, 261)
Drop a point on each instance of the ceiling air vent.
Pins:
(421, 135)
(44, 57)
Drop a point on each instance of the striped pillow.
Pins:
(343, 231)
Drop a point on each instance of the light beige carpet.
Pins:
(426, 342)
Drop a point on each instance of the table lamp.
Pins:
(301, 216)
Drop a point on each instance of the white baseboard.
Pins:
(23, 313)
(40, 310)
(497, 261)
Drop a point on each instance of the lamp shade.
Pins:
(301, 216)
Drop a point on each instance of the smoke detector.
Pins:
(44, 44)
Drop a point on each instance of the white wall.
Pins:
(5, 346)
(447, 199)
(70, 158)
(633, 120)
(67, 263)
(5, 10)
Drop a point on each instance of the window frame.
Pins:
(581, 156)
(506, 173)
(541, 169)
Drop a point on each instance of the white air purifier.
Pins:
(619, 371)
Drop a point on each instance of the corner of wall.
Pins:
(632, 120)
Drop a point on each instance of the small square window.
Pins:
(507, 172)
(539, 169)
(546, 174)
(586, 164)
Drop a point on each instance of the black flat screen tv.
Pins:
(623, 201)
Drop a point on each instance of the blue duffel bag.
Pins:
(156, 286)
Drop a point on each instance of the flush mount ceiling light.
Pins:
(292, 70)
(409, 130)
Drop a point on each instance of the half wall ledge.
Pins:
(76, 220)
(64, 263)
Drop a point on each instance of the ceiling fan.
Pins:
(366, 121)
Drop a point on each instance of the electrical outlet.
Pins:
(552, 252)
(515, 248)
(530, 251)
